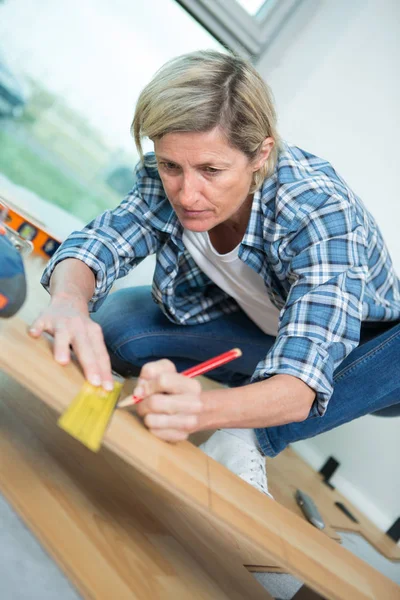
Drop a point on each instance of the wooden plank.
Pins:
(283, 483)
(174, 475)
(320, 562)
(89, 515)
(291, 470)
(377, 538)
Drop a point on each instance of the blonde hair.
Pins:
(201, 90)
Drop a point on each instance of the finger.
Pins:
(168, 383)
(170, 435)
(154, 368)
(86, 356)
(62, 340)
(38, 326)
(186, 423)
(170, 404)
(95, 335)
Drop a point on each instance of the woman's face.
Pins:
(206, 181)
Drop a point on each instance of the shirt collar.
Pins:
(260, 211)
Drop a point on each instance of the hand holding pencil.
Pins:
(169, 402)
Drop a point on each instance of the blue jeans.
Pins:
(367, 381)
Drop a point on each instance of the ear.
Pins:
(263, 153)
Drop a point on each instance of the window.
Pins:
(69, 82)
(252, 6)
(246, 26)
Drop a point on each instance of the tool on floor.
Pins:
(309, 509)
(346, 511)
(87, 417)
(200, 369)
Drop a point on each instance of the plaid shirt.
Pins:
(319, 251)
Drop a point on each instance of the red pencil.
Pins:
(200, 369)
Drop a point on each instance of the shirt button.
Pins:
(169, 269)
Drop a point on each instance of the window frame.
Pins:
(237, 29)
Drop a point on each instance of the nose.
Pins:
(189, 192)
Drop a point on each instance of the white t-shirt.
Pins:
(236, 278)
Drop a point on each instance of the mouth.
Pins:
(193, 213)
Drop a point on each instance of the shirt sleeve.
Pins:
(321, 320)
(110, 245)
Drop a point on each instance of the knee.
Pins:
(389, 411)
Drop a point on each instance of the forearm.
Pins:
(278, 400)
(72, 280)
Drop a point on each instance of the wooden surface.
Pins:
(377, 538)
(288, 471)
(203, 505)
(89, 513)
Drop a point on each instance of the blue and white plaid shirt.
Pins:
(319, 251)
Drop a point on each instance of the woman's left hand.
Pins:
(171, 403)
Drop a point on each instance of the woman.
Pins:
(259, 245)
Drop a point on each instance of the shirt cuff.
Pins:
(90, 260)
(304, 359)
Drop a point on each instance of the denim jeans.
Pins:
(367, 381)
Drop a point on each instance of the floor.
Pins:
(28, 572)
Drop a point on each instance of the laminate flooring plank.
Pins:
(91, 519)
(288, 470)
(377, 538)
(181, 474)
(30, 362)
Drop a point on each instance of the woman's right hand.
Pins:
(67, 319)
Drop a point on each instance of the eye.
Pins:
(168, 166)
(211, 170)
